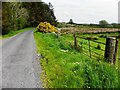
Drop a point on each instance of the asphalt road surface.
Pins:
(20, 68)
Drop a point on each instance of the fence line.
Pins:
(92, 40)
(111, 44)
(110, 52)
(89, 45)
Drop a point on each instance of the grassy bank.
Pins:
(64, 67)
(12, 33)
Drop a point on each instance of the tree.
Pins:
(17, 15)
(6, 18)
(71, 21)
(0, 18)
(103, 23)
(54, 21)
(14, 16)
(40, 12)
(116, 25)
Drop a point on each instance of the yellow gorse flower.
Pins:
(46, 27)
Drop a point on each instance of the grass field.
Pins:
(64, 67)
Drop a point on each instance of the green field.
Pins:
(65, 67)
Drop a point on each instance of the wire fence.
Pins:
(107, 50)
(93, 51)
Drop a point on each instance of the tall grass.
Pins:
(63, 67)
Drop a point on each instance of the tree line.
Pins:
(102, 24)
(18, 15)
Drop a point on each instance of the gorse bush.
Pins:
(46, 27)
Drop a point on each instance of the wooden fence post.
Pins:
(110, 49)
(75, 40)
(116, 49)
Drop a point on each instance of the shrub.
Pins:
(46, 27)
(21, 23)
(103, 23)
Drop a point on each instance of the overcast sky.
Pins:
(85, 11)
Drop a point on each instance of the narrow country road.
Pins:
(20, 68)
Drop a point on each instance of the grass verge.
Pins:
(63, 67)
(12, 33)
